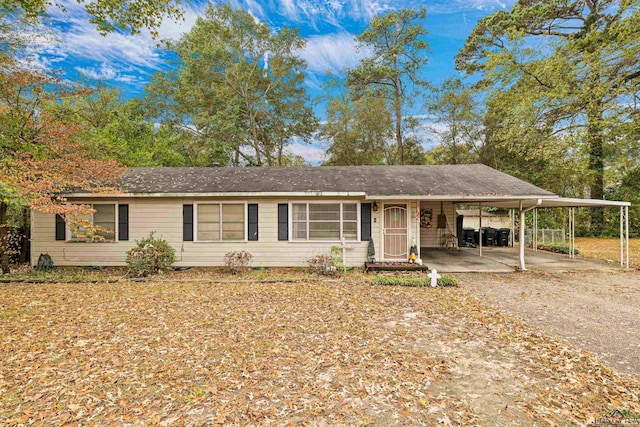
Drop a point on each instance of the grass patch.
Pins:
(415, 282)
(608, 249)
(557, 248)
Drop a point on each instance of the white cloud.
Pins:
(309, 152)
(170, 29)
(105, 72)
(331, 52)
(80, 41)
(109, 72)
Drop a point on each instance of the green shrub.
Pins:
(371, 249)
(327, 264)
(150, 256)
(237, 261)
(557, 248)
(447, 280)
(416, 282)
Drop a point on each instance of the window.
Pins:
(221, 221)
(104, 218)
(324, 221)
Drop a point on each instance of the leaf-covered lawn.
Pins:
(608, 249)
(320, 353)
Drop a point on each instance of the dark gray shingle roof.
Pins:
(445, 180)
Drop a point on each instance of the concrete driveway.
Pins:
(505, 260)
(595, 311)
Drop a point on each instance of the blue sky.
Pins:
(128, 61)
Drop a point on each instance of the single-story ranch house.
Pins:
(284, 216)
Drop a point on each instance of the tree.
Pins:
(238, 92)
(358, 130)
(574, 60)
(107, 16)
(397, 57)
(455, 111)
(117, 129)
(41, 152)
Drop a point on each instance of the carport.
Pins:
(523, 206)
(496, 259)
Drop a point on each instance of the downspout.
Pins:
(522, 225)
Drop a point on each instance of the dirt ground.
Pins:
(599, 312)
(317, 353)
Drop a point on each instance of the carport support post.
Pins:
(480, 224)
(534, 236)
(570, 232)
(573, 233)
(522, 266)
(621, 235)
(626, 229)
(512, 215)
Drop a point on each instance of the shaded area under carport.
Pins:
(504, 260)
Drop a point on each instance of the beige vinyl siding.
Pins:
(164, 216)
(431, 237)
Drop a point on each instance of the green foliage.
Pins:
(453, 105)
(237, 261)
(558, 248)
(358, 129)
(107, 16)
(559, 80)
(447, 280)
(237, 92)
(371, 249)
(116, 129)
(150, 256)
(415, 282)
(392, 71)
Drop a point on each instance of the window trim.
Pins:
(196, 207)
(325, 202)
(116, 238)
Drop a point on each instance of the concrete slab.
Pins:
(505, 260)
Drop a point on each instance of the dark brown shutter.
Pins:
(365, 221)
(252, 211)
(61, 228)
(187, 223)
(123, 222)
(283, 221)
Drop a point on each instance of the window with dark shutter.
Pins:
(187, 223)
(123, 222)
(365, 221)
(61, 228)
(252, 229)
(283, 221)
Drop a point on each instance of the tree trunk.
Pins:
(280, 152)
(595, 139)
(399, 133)
(398, 108)
(26, 235)
(4, 241)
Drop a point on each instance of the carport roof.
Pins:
(556, 202)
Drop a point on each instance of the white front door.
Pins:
(395, 232)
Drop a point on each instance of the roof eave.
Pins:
(220, 194)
